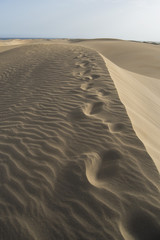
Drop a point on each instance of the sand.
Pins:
(134, 68)
(79, 140)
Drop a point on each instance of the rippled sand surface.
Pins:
(71, 165)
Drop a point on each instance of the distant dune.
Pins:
(79, 140)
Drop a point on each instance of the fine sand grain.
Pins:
(71, 165)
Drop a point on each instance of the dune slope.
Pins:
(134, 68)
(71, 165)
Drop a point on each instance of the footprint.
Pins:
(109, 164)
(92, 96)
(96, 107)
(116, 127)
(77, 74)
(87, 72)
(84, 55)
(92, 108)
(77, 115)
(86, 86)
(77, 65)
(104, 92)
(87, 78)
(95, 76)
(85, 63)
(142, 225)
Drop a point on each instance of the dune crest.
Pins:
(134, 68)
(140, 95)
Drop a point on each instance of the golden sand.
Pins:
(79, 140)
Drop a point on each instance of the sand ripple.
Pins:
(71, 166)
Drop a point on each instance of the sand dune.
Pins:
(71, 165)
(135, 57)
(141, 96)
(134, 68)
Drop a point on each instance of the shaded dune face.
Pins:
(109, 164)
(143, 226)
(71, 166)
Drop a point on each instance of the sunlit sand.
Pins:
(79, 140)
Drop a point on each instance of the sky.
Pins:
(123, 19)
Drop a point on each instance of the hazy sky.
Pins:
(125, 19)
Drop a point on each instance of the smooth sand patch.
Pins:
(141, 97)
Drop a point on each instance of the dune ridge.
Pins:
(134, 68)
(140, 95)
(71, 165)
